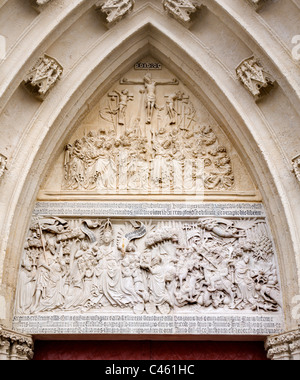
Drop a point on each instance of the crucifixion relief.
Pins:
(150, 91)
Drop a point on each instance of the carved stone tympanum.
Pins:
(43, 76)
(254, 77)
(152, 143)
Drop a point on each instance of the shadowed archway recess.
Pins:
(35, 133)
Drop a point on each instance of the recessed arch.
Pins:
(194, 64)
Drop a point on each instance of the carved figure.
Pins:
(150, 88)
(71, 265)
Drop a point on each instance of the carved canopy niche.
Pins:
(149, 136)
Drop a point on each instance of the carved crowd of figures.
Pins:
(174, 154)
(147, 267)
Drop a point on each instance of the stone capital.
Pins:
(14, 345)
(284, 346)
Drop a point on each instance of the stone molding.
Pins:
(15, 346)
(284, 346)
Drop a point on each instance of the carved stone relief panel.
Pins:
(159, 266)
(149, 136)
(3, 163)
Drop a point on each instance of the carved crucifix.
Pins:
(150, 90)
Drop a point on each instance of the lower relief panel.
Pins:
(150, 269)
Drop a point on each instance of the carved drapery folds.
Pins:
(284, 346)
(254, 77)
(181, 10)
(296, 167)
(115, 10)
(15, 346)
(43, 76)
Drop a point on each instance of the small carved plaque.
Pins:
(148, 66)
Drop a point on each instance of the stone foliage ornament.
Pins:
(147, 267)
(257, 4)
(284, 346)
(15, 346)
(3, 163)
(296, 167)
(181, 10)
(43, 76)
(115, 10)
(254, 77)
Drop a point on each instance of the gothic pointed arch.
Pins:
(92, 82)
